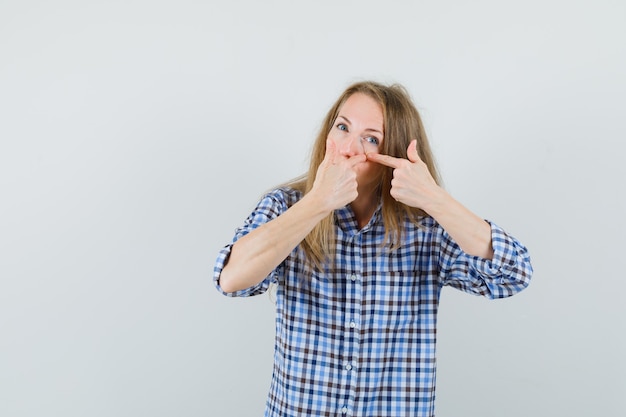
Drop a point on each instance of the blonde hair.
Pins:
(401, 123)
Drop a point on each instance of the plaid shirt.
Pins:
(360, 340)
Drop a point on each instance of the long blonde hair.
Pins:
(401, 123)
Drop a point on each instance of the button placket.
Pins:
(351, 323)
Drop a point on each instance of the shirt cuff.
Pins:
(505, 259)
(222, 257)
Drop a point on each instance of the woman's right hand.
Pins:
(256, 254)
(336, 180)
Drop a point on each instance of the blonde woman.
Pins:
(359, 249)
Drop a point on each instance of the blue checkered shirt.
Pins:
(360, 340)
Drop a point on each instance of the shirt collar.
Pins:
(346, 220)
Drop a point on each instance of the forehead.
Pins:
(363, 109)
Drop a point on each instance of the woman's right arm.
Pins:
(259, 252)
(256, 254)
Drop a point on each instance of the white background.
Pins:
(136, 135)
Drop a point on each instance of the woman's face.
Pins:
(359, 128)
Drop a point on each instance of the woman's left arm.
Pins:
(413, 185)
(470, 232)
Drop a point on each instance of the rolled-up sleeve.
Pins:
(268, 208)
(257, 289)
(506, 274)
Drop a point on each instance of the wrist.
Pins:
(438, 203)
(317, 205)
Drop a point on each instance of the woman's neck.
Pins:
(364, 207)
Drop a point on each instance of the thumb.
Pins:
(411, 151)
(330, 150)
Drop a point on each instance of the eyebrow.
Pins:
(367, 129)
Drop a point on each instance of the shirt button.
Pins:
(344, 410)
(353, 277)
(352, 325)
(349, 367)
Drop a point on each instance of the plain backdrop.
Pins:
(136, 135)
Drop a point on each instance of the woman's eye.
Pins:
(373, 140)
(342, 126)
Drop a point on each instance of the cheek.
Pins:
(333, 138)
(332, 135)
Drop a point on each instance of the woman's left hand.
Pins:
(412, 183)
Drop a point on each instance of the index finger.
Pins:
(387, 160)
(357, 159)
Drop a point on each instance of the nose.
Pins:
(351, 146)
